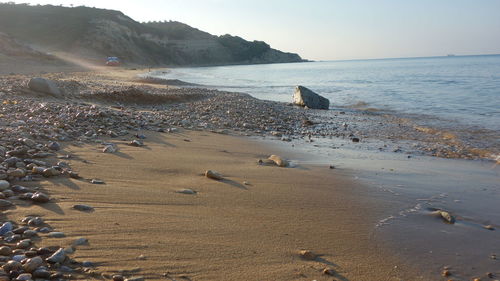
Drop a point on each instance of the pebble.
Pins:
(40, 197)
(54, 146)
(186, 191)
(6, 227)
(136, 143)
(135, 279)
(5, 203)
(31, 264)
(5, 251)
(58, 257)
(96, 181)
(307, 255)
(83, 208)
(81, 241)
(447, 217)
(56, 234)
(4, 185)
(329, 271)
(109, 149)
(87, 264)
(489, 227)
(213, 175)
(117, 277)
(280, 162)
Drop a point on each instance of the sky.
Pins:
(332, 29)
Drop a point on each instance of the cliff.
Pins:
(94, 34)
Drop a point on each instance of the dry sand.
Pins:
(228, 230)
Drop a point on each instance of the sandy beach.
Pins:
(251, 225)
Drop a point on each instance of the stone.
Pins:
(5, 251)
(24, 277)
(58, 257)
(4, 185)
(83, 208)
(31, 264)
(80, 241)
(6, 227)
(36, 221)
(87, 264)
(329, 271)
(23, 244)
(96, 181)
(45, 86)
(355, 139)
(186, 191)
(307, 255)
(307, 98)
(489, 227)
(56, 234)
(41, 273)
(17, 173)
(40, 197)
(447, 217)
(53, 145)
(29, 233)
(50, 172)
(213, 175)
(109, 149)
(280, 162)
(118, 277)
(140, 278)
(5, 203)
(136, 143)
(12, 265)
(445, 273)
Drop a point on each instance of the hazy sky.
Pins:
(333, 29)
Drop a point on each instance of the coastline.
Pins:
(309, 180)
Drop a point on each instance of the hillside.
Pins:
(94, 34)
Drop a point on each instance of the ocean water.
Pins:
(461, 91)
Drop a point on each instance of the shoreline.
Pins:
(205, 105)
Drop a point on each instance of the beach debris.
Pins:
(329, 271)
(307, 255)
(186, 191)
(447, 217)
(307, 98)
(213, 175)
(45, 86)
(83, 208)
(489, 227)
(280, 162)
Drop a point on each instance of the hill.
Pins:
(97, 33)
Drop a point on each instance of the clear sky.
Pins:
(333, 29)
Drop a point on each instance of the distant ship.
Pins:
(450, 55)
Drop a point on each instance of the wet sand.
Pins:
(228, 230)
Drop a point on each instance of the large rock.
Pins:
(305, 97)
(44, 86)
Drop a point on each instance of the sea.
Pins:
(463, 91)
